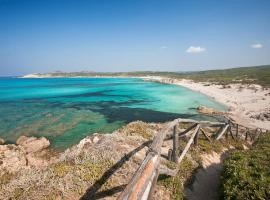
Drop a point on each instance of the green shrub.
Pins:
(246, 174)
(176, 184)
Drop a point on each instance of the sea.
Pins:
(65, 110)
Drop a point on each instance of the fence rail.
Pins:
(142, 184)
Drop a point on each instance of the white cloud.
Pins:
(192, 49)
(164, 47)
(257, 46)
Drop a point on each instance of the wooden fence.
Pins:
(142, 184)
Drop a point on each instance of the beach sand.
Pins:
(245, 102)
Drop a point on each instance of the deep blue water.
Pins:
(65, 110)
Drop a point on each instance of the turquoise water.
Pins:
(65, 110)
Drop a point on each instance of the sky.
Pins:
(38, 36)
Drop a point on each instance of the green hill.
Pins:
(248, 75)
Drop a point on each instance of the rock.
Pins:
(12, 158)
(28, 152)
(34, 160)
(95, 139)
(2, 141)
(36, 145)
(21, 139)
(211, 111)
(33, 144)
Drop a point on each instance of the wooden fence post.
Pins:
(196, 138)
(230, 130)
(170, 154)
(246, 137)
(188, 144)
(236, 130)
(175, 152)
(222, 132)
(207, 137)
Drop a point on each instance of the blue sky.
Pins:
(129, 35)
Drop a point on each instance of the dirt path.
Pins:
(207, 180)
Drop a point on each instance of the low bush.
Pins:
(246, 174)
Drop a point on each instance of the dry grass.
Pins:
(103, 166)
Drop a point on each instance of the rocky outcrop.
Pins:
(209, 111)
(33, 144)
(27, 152)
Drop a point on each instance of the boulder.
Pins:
(209, 111)
(26, 153)
(33, 144)
(95, 139)
(2, 141)
(22, 139)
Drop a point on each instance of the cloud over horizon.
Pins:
(257, 46)
(193, 49)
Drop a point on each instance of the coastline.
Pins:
(81, 168)
(247, 104)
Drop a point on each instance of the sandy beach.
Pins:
(248, 105)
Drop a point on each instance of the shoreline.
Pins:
(245, 102)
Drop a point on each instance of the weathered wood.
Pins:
(202, 123)
(188, 129)
(251, 135)
(258, 133)
(153, 185)
(237, 131)
(196, 138)
(170, 154)
(158, 140)
(246, 134)
(188, 144)
(143, 180)
(206, 136)
(165, 170)
(222, 132)
(175, 152)
(141, 183)
(230, 130)
(218, 132)
(226, 133)
(183, 133)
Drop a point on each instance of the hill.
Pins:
(247, 75)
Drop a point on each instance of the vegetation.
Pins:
(176, 184)
(192, 162)
(247, 173)
(139, 128)
(248, 75)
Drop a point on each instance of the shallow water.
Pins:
(65, 110)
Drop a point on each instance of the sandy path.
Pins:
(207, 180)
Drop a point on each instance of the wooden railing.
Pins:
(142, 184)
